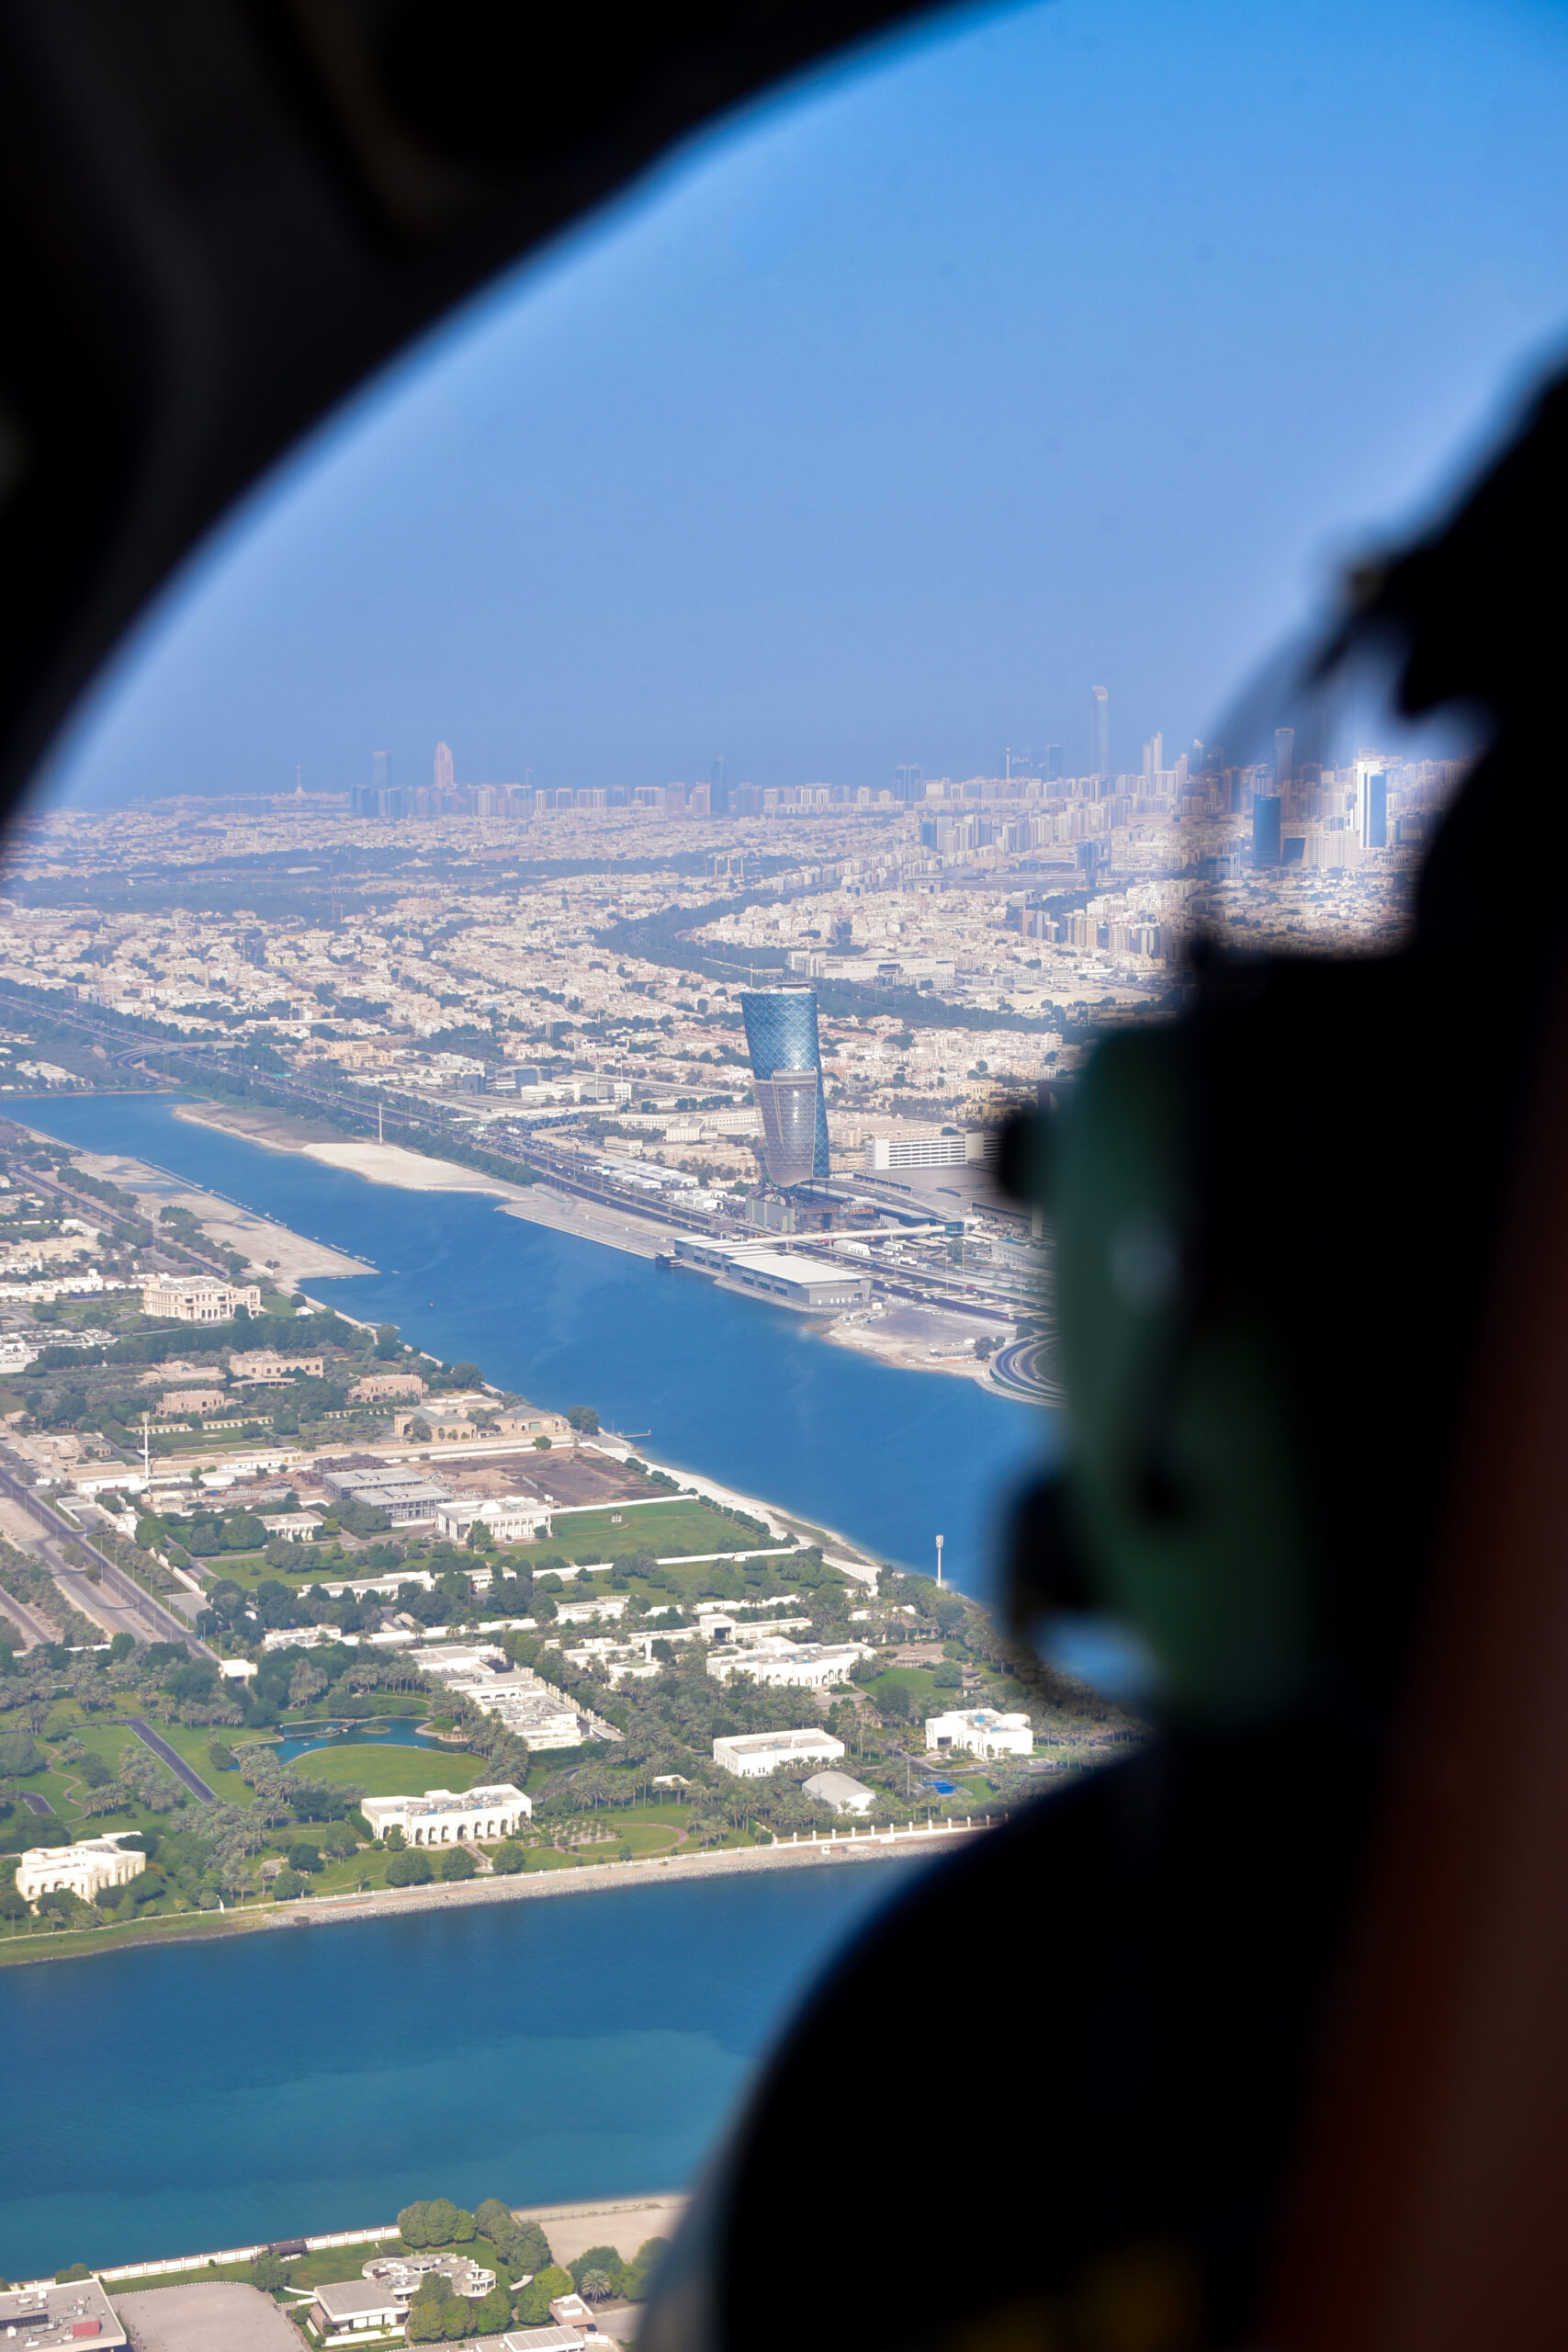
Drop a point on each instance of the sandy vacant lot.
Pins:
(571, 2230)
(199, 2318)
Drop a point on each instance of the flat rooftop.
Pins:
(78, 2313)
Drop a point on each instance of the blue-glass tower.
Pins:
(786, 1065)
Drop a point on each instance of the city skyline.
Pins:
(834, 448)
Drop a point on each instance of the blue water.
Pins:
(318, 2078)
(400, 1733)
(311, 2079)
(745, 1392)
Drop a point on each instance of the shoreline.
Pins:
(922, 1845)
(541, 1203)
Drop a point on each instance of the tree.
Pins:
(121, 1648)
(435, 2221)
(637, 2276)
(479, 1537)
(304, 1855)
(20, 1753)
(306, 1684)
(597, 2273)
(269, 2271)
(541, 1445)
(288, 1886)
(411, 1867)
(493, 2314)
(509, 1858)
(387, 1341)
(584, 1419)
(427, 2321)
(534, 2302)
(458, 1864)
(948, 1676)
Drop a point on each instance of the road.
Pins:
(28, 1619)
(172, 1759)
(115, 1594)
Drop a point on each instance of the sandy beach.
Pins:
(288, 1257)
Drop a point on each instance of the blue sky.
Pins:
(1071, 343)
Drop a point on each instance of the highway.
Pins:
(142, 1614)
(30, 1622)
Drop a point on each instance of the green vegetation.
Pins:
(436, 2221)
(294, 1833)
(395, 1771)
(533, 2306)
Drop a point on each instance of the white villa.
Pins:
(775, 1663)
(511, 1519)
(752, 1754)
(439, 1818)
(979, 1731)
(84, 1870)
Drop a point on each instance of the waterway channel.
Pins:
(748, 1392)
(272, 2085)
(276, 2083)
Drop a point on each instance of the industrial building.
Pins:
(811, 1285)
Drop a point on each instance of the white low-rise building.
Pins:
(198, 1298)
(351, 2307)
(300, 1637)
(510, 1518)
(68, 2315)
(602, 1605)
(840, 1790)
(294, 1526)
(753, 1753)
(979, 1731)
(440, 1818)
(776, 1663)
(84, 1870)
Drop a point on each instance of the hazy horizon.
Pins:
(1026, 351)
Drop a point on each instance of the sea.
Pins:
(306, 2080)
(282, 2083)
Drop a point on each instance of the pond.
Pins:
(389, 1731)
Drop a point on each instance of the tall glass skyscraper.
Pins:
(787, 1069)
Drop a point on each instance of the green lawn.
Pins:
(648, 1837)
(684, 1520)
(193, 1743)
(920, 1684)
(392, 1771)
